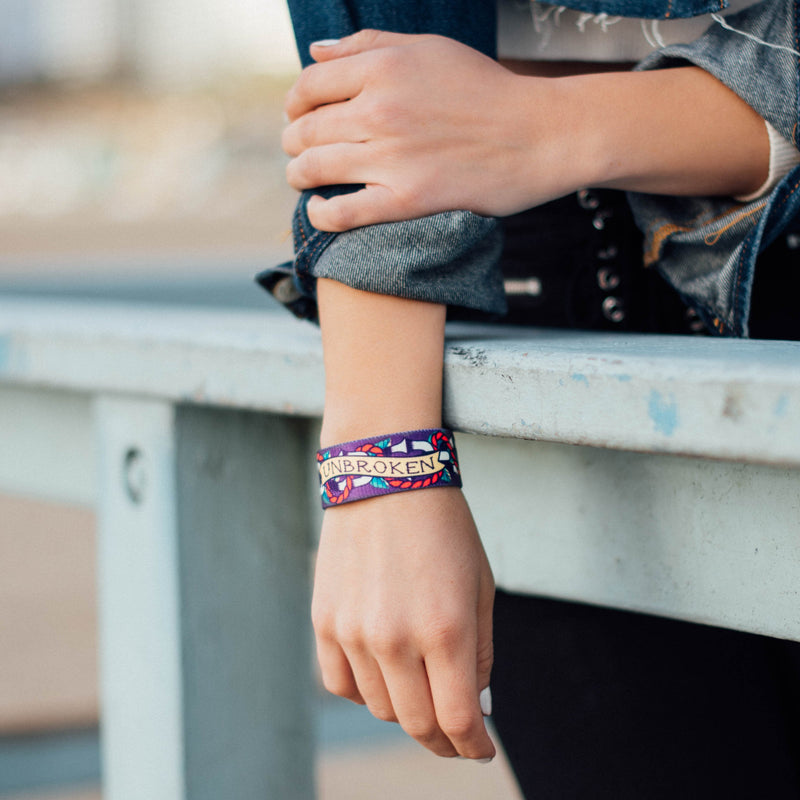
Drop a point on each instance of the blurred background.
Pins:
(140, 162)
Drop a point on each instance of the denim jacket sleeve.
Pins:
(706, 247)
(450, 258)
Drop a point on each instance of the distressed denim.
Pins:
(706, 247)
(648, 9)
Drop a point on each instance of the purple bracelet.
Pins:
(397, 462)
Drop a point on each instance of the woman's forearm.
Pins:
(676, 131)
(383, 362)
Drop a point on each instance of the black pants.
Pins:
(594, 703)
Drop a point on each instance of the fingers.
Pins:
(358, 43)
(371, 684)
(340, 74)
(407, 682)
(324, 125)
(485, 646)
(321, 84)
(337, 676)
(368, 206)
(327, 165)
(454, 688)
(435, 700)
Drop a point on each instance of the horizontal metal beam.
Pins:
(714, 398)
(686, 538)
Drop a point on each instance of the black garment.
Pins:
(577, 263)
(598, 704)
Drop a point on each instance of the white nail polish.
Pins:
(325, 43)
(485, 698)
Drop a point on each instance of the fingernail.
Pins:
(285, 117)
(485, 698)
(484, 760)
(325, 43)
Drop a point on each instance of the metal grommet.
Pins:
(284, 291)
(588, 199)
(608, 253)
(607, 280)
(613, 309)
(599, 219)
(532, 287)
(696, 325)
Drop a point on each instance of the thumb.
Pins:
(485, 646)
(368, 39)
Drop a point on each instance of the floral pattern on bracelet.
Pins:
(396, 462)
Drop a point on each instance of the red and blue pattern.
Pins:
(398, 448)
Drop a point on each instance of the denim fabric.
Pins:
(448, 258)
(472, 22)
(705, 247)
(647, 9)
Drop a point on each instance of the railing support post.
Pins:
(206, 676)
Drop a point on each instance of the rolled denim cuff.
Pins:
(707, 247)
(450, 258)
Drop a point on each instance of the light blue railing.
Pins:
(190, 432)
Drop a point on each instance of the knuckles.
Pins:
(333, 215)
(300, 135)
(341, 687)
(425, 731)
(445, 635)
(297, 98)
(303, 171)
(459, 727)
(383, 713)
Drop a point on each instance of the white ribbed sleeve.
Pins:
(783, 156)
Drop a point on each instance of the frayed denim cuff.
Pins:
(450, 258)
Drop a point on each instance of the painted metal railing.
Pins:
(190, 432)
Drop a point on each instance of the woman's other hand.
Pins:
(402, 613)
(426, 123)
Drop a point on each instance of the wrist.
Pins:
(565, 132)
(383, 363)
(387, 463)
(346, 422)
(672, 131)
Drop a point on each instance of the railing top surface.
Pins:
(737, 400)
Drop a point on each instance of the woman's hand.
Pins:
(402, 614)
(403, 592)
(426, 123)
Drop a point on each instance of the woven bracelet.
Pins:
(397, 462)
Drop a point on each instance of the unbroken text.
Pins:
(379, 466)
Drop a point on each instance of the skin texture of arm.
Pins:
(403, 592)
(398, 114)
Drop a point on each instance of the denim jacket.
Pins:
(706, 247)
